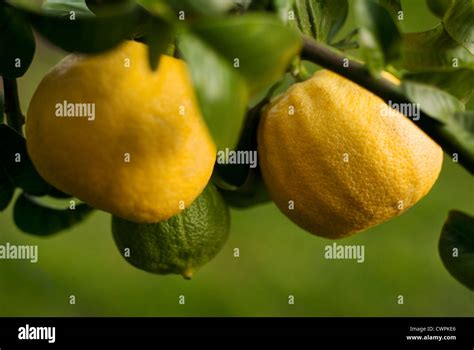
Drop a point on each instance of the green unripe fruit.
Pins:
(181, 244)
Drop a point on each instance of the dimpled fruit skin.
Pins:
(181, 244)
(137, 113)
(302, 157)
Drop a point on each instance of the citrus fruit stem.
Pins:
(188, 273)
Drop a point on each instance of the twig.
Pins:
(15, 118)
(358, 73)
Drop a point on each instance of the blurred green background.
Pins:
(277, 259)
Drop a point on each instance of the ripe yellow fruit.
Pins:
(336, 163)
(120, 137)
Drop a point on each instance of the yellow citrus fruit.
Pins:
(337, 160)
(120, 137)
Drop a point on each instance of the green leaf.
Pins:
(6, 194)
(301, 11)
(379, 36)
(160, 9)
(17, 165)
(392, 6)
(320, 19)
(250, 193)
(88, 34)
(347, 42)
(459, 23)
(327, 17)
(158, 35)
(6, 190)
(203, 7)
(461, 126)
(435, 102)
(17, 43)
(241, 5)
(262, 58)
(283, 8)
(63, 7)
(33, 217)
(439, 7)
(174, 10)
(457, 82)
(103, 6)
(456, 247)
(233, 176)
(241, 184)
(221, 92)
(55, 193)
(227, 66)
(261, 5)
(434, 50)
(2, 108)
(453, 122)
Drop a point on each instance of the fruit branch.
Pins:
(358, 73)
(15, 118)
